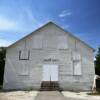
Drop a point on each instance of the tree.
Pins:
(2, 63)
(97, 62)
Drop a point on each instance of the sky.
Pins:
(20, 17)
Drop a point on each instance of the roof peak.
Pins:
(54, 23)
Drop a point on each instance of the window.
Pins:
(24, 54)
(77, 63)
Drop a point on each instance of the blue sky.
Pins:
(20, 17)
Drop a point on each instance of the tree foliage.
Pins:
(97, 62)
(2, 63)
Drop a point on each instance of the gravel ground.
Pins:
(79, 96)
(46, 95)
(18, 95)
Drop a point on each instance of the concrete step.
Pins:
(49, 86)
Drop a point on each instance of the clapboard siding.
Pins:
(49, 42)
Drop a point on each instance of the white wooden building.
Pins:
(49, 54)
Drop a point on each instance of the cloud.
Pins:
(5, 43)
(26, 16)
(65, 13)
(23, 23)
(7, 24)
(12, 25)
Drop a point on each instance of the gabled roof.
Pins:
(56, 26)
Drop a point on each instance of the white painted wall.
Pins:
(21, 74)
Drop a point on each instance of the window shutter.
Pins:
(76, 56)
(23, 68)
(77, 63)
(77, 68)
(24, 54)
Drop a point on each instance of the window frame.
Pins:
(24, 58)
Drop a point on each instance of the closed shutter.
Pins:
(23, 68)
(76, 56)
(24, 54)
(77, 68)
(77, 63)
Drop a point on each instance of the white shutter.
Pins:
(62, 42)
(23, 68)
(77, 63)
(37, 42)
(77, 68)
(76, 56)
(24, 54)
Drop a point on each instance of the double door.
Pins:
(50, 72)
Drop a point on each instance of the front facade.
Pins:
(49, 54)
